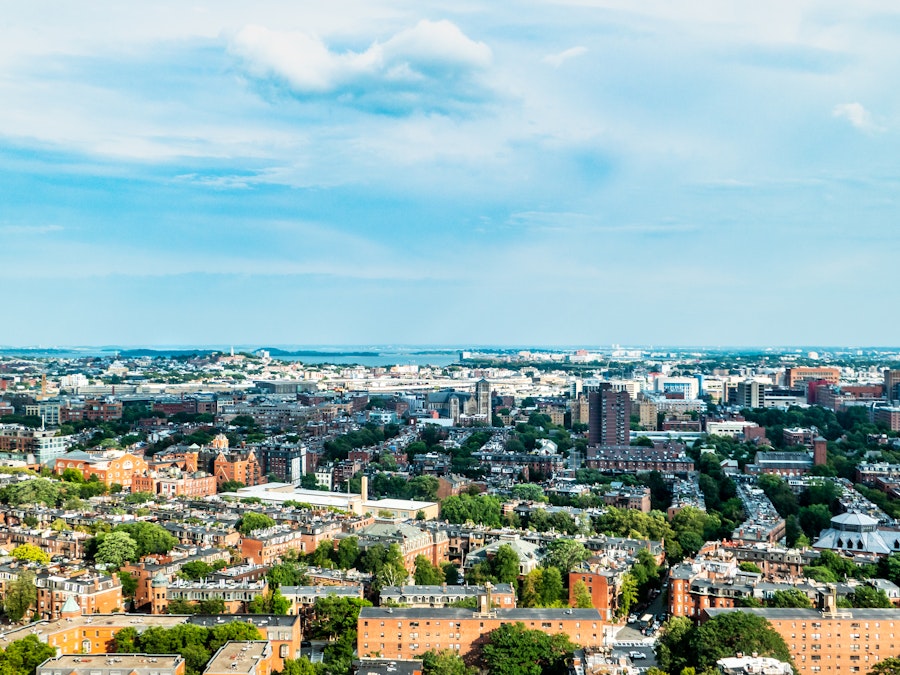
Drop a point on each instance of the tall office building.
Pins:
(609, 416)
(483, 398)
(892, 385)
(751, 394)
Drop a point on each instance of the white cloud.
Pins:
(309, 66)
(857, 115)
(556, 60)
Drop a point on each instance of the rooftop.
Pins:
(142, 664)
(239, 657)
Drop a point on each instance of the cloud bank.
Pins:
(424, 67)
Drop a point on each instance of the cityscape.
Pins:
(379, 337)
(608, 510)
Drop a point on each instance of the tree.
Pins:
(115, 549)
(253, 521)
(347, 553)
(22, 657)
(747, 566)
(129, 583)
(511, 649)
(564, 554)
(288, 574)
(506, 564)
(820, 573)
(335, 616)
(551, 587)
(733, 632)
(628, 595)
(529, 492)
(271, 602)
(869, 596)
(308, 482)
(72, 476)
(448, 662)
(673, 649)
(888, 666)
(427, 574)
(195, 570)
(791, 597)
(21, 595)
(30, 553)
(149, 537)
(301, 666)
(582, 595)
(233, 486)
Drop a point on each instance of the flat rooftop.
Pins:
(128, 663)
(388, 667)
(239, 657)
(44, 628)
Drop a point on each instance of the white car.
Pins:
(635, 656)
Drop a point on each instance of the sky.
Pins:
(396, 172)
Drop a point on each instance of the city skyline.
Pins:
(398, 173)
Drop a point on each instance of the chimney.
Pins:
(364, 488)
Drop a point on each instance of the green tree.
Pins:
(115, 549)
(22, 657)
(791, 597)
(820, 573)
(195, 570)
(129, 583)
(288, 574)
(271, 602)
(888, 666)
(628, 594)
(747, 566)
(565, 554)
(72, 476)
(347, 553)
(733, 632)
(673, 650)
(506, 564)
(253, 521)
(427, 574)
(150, 538)
(393, 572)
(511, 649)
(334, 616)
(551, 587)
(301, 666)
(582, 595)
(869, 597)
(448, 662)
(308, 482)
(30, 553)
(21, 595)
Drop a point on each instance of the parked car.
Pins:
(635, 656)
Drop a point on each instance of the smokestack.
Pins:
(364, 488)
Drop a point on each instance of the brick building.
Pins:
(109, 468)
(238, 466)
(832, 640)
(403, 632)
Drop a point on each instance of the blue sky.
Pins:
(572, 172)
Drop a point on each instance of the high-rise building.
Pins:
(609, 417)
(483, 398)
(892, 385)
(751, 394)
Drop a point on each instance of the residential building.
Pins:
(241, 658)
(403, 632)
(113, 664)
(32, 446)
(113, 466)
(609, 416)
